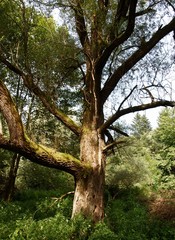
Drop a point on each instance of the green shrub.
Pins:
(33, 210)
(81, 228)
(161, 230)
(102, 232)
(128, 220)
(34, 176)
(53, 228)
(48, 207)
(45, 218)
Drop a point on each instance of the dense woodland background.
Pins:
(139, 192)
(63, 90)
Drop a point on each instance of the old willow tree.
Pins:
(113, 54)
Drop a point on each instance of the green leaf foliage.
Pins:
(164, 136)
(37, 216)
(165, 133)
(140, 125)
(132, 165)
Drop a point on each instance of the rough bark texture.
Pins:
(88, 198)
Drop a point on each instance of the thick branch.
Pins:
(119, 131)
(119, 40)
(49, 104)
(46, 156)
(130, 62)
(11, 115)
(20, 143)
(9, 65)
(114, 144)
(80, 24)
(127, 97)
(147, 10)
(122, 9)
(133, 109)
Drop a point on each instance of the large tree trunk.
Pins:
(89, 190)
(88, 198)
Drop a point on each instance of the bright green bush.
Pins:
(132, 165)
(129, 219)
(52, 228)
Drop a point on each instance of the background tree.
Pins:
(140, 125)
(112, 58)
(133, 165)
(165, 150)
(165, 132)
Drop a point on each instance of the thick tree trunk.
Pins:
(88, 197)
(89, 190)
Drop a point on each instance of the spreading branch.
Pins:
(127, 97)
(145, 48)
(119, 39)
(147, 10)
(10, 113)
(10, 66)
(149, 93)
(80, 24)
(48, 103)
(114, 144)
(115, 129)
(21, 144)
(46, 156)
(133, 109)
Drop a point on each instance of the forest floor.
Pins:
(162, 206)
(38, 215)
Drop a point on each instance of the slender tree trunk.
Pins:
(10, 184)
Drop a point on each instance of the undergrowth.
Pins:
(43, 215)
